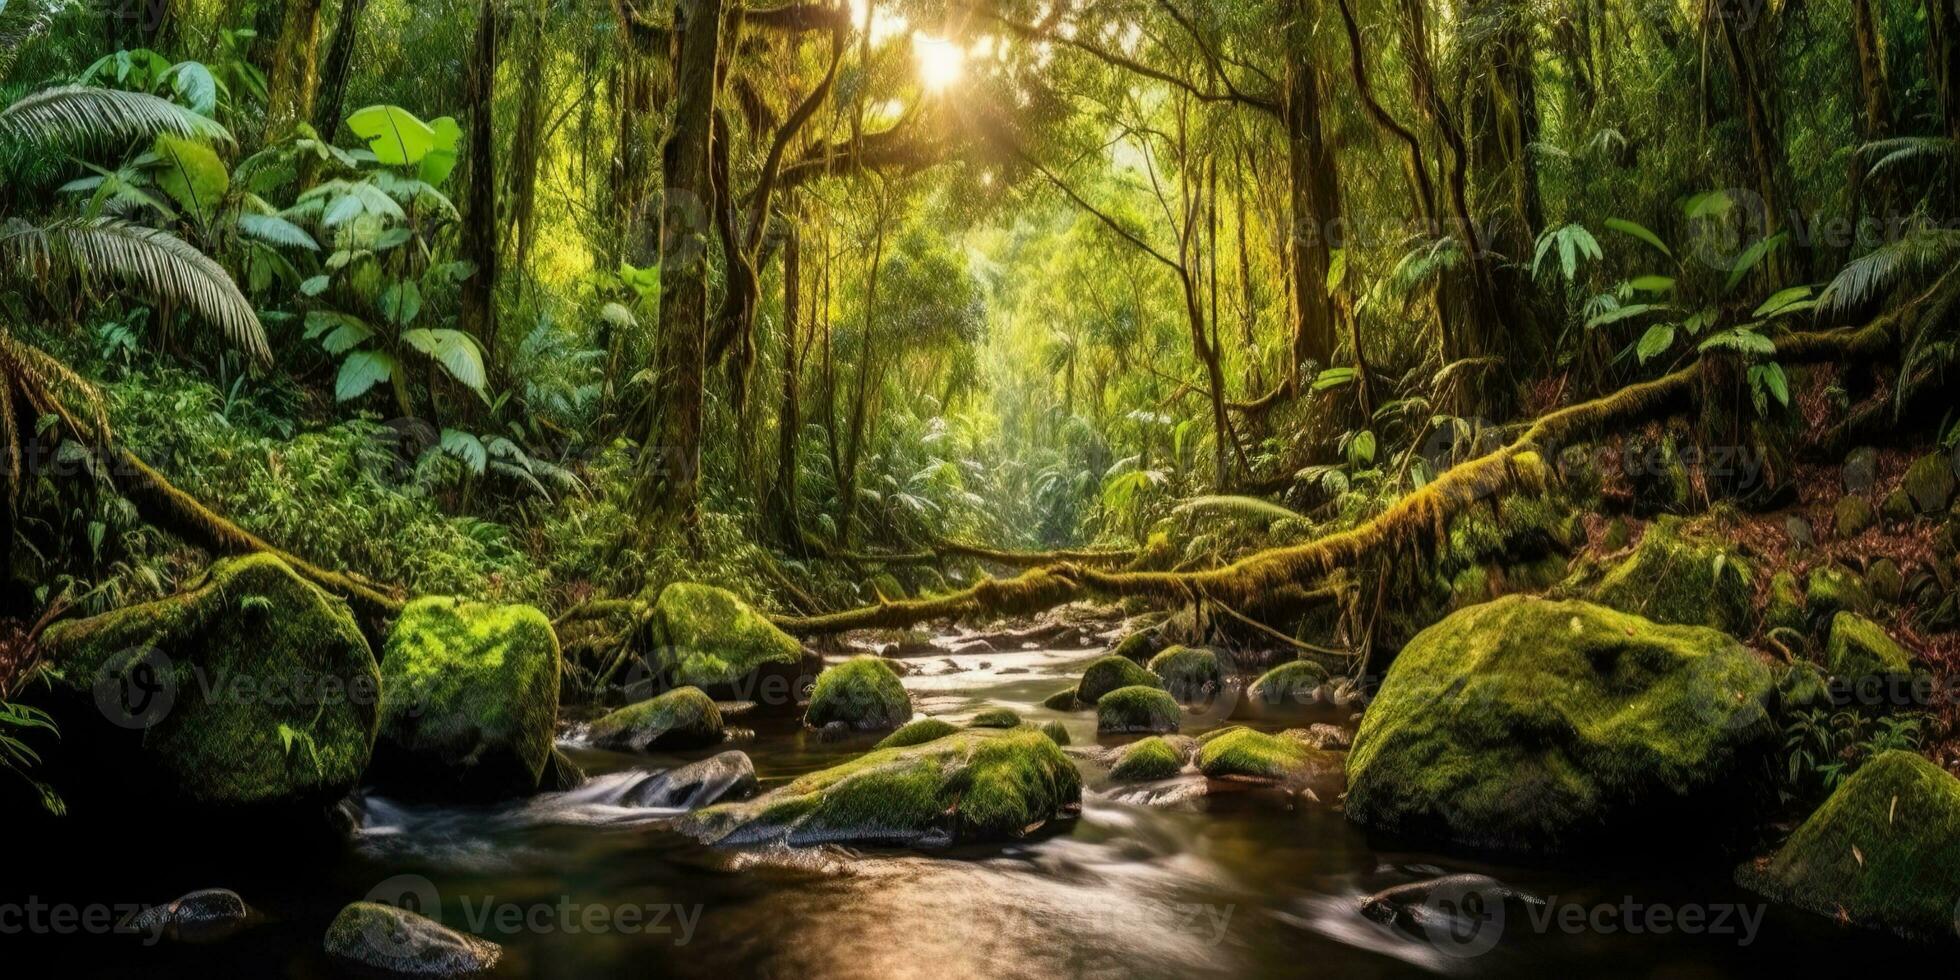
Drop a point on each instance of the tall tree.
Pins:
(329, 105)
(480, 238)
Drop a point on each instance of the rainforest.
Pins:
(1010, 488)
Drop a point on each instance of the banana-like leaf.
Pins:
(455, 350)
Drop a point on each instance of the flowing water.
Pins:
(1158, 881)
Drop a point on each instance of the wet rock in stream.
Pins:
(719, 778)
(205, 916)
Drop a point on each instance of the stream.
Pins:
(1227, 883)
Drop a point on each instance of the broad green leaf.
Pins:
(1627, 312)
(441, 159)
(401, 302)
(1655, 341)
(1792, 300)
(1361, 450)
(195, 86)
(1742, 340)
(1333, 378)
(1336, 271)
(1653, 284)
(396, 136)
(467, 448)
(1753, 257)
(316, 285)
(362, 371)
(343, 332)
(1639, 231)
(274, 230)
(1770, 376)
(1707, 205)
(192, 175)
(455, 350)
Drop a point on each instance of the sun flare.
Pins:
(941, 63)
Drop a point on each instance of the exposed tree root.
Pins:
(943, 550)
(1413, 523)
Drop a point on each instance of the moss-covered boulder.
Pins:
(382, 940)
(1138, 708)
(1150, 759)
(1292, 684)
(1897, 507)
(973, 785)
(1188, 674)
(917, 733)
(1859, 648)
(1886, 581)
(1854, 516)
(1528, 724)
(1929, 482)
(1109, 673)
(995, 718)
(1785, 609)
(1138, 646)
(1679, 578)
(1056, 732)
(1883, 851)
(862, 692)
(469, 700)
(1062, 700)
(1831, 590)
(708, 638)
(681, 718)
(250, 690)
(1241, 753)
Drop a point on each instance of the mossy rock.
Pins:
(251, 690)
(1673, 577)
(1860, 648)
(1655, 471)
(1188, 674)
(1854, 516)
(917, 733)
(1887, 583)
(1109, 673)
(1883, 851)
(684, 717)
(1056, 732)
(1832, 590)
(1861, 470)
(1138, 646)
(1786, 604)
(1147, 760)
(708, 638)
(1898, 507)
(995, 718)
(382, 940)
(1241, 753)
(862, 692)
(469, 700)
(1802, 686)
(1138, 708)
(1529, 724)
(1288, 685)
(977, 784)
(1929, 482)
(1062, 700)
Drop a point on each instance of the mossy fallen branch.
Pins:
(1415, 522)
(943, 550)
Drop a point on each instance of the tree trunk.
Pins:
(1943, 60)
(292, 79)
(331, 102)
(1874, 90)
(1316, 201)
(669, 486)
(479, 291)
(525, 142)
(789, 418)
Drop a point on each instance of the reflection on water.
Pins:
(1162, 880)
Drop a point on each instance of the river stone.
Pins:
(1188, 674)
(1241, 753)
(917, 733)
(1887, 583)
(681, 718)
(995, 718)
(469, 701)
(1062, 700)
(974, 785)
(372, 936)
(1527, 724)
(1678, 578)
(863, 692)
(206, 916)
(708, 638)
(724, 776)
(1831, 590)
(1799, 531)
(1137, 708)
(1882, 852)
(1146, 760)
(1294, 684)
(1854, 516)
(1138, 646)
(1109, 673)
(250, 690)
(1929, 482)
(1897, 507)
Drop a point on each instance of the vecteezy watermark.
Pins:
(35, 917)
(136, 688)
(489, 917)
(1468, 915)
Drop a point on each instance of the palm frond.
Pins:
(144, 259)
(78, 115)
(15, 32)
(1904, 263)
